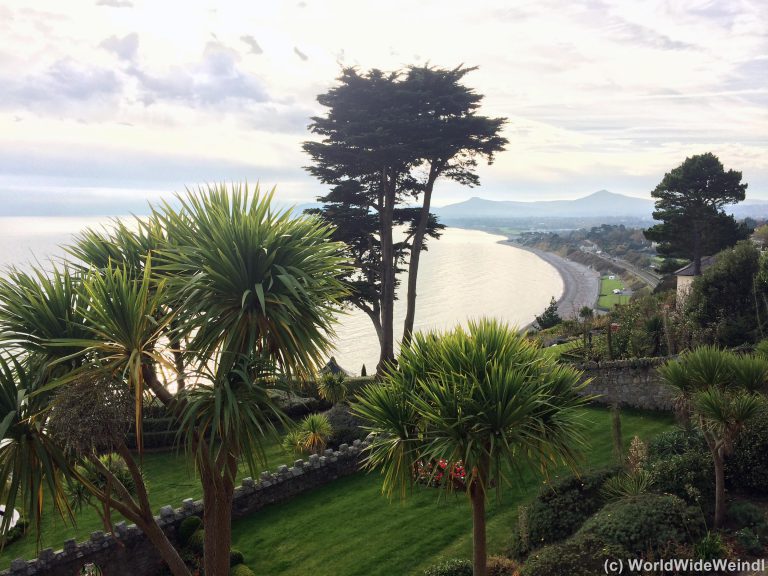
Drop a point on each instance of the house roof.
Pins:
(687, 270)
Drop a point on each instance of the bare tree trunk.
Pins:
(479, 547)
(218, 491)
(140, 513)
(387, 353)
(719, 488)
(413, 265)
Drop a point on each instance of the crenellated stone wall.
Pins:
(635, 383)
(128, 552)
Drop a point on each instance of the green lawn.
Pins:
(348, 527)
(608, 299)
(557, 350)
(170, 479)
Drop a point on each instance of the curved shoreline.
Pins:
(581, 284)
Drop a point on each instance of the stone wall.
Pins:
(635, 383)
(127, 552)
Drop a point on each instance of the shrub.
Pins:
(559, 510)
(581, 555)
(241, 570)
(311, 435)
(332, 387)
(744, 514)
(650, 522)
(747, 467)
(13, 534)
(346, 427)
(188, 527)
(501, 566)
(453, 567)
(675, 442)
(689, 476)
(196, 542)
(711, 547)
(235, 557)
(749, 542)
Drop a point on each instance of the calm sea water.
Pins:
(466, 274)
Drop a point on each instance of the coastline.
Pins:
(581, 284)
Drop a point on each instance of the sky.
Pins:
(106, 104)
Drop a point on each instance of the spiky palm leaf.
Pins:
(484, 395)
(253, 279)
(725, 412)
(37, 308)
(709, 366)
(32, 466)
(750, 373)
(124, 319)
(235, 411)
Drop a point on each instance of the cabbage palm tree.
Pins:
(485, 397)
(259, 291)
(717, 388)
(74, 334)
(32, 466)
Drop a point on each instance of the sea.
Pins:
(465, 275)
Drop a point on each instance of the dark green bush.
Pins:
(690, 476)
(196, 542)
(747, 468)
(241, 570)
(235, 557)
(649, 522)
(581, 555)
(346, 427)
(675, 442)
(749, 542)
(15, 533)
(744, 514)
(453, 567)
(188, 527)
(559, 510)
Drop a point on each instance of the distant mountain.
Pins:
(599, 204)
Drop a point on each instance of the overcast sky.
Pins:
(107, 103)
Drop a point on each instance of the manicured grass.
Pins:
(608, 299)
(557, 350)
(170, 478)
(348, 527)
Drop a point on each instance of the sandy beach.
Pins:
(581, 284)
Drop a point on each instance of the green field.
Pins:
(348, 527)
(170, 478)
(608, 299)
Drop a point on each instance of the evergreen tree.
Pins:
(387, 139)
(689, 203)
(550, 316)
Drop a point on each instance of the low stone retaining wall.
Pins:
(128, 552)
(635, 383)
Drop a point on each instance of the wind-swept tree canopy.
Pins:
(689, 202)
(386, 140)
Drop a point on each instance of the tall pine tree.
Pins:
(386, 140)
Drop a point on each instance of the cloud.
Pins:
(66, 80)
(638, 35)
(252, 44)
(125, 48)
(115, 3)
(215, 81)
(300, 54)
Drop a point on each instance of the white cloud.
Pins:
(600, 93)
